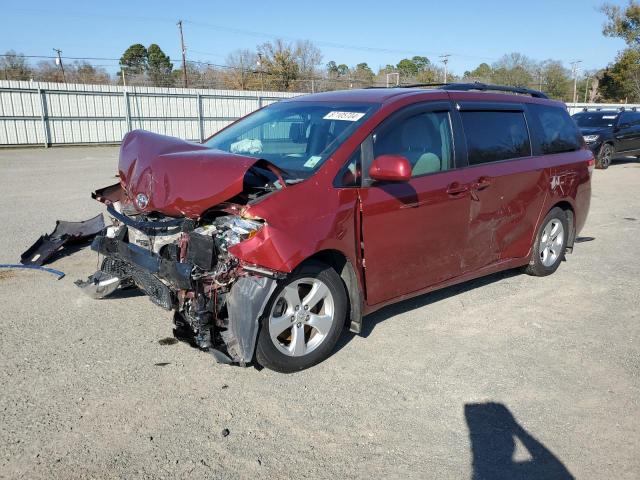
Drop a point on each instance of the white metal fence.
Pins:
(40, 113)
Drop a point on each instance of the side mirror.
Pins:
(390, 168)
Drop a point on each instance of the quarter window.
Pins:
(494, 136)
(559, 132)
(424, 139)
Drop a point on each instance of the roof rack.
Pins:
(483, 87)
(600, 109)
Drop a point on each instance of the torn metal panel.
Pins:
(64, 232)
(245, 304)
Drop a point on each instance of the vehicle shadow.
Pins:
(623, 161)
(493, 432)
(370, 321)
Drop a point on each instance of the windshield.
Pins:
(295, 136)
(595, 119)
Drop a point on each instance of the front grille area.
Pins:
(157, 291)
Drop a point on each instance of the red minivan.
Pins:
(314, 211)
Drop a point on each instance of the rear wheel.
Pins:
(550, 244)
(303, 320)
(605, 156)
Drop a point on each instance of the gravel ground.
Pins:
(508, 375)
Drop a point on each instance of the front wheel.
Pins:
(303, 319)
(605, 156)
(550, 244)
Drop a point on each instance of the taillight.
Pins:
(591, 164)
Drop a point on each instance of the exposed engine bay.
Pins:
(182, 262)
(185, 266)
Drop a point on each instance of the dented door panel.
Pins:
(414, 234)
(503, 214)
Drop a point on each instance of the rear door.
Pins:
(628, 132)
(414, 233)
(507, 183)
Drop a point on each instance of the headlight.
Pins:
(591, 138)
(232, 230)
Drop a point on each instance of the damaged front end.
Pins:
(183, 262)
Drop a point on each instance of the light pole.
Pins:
(586, 88)
(574, 69)
(259, 62)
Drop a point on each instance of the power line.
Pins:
(251, 33)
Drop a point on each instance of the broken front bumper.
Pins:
(228, 331)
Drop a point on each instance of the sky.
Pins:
(349, 32)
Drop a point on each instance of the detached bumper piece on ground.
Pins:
(64, 233)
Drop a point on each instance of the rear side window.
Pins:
(494, 136)
(559, 132)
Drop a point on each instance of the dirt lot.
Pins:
(526, 377)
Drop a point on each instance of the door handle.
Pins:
(482, 183)
(456, 189)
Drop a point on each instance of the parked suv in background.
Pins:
(610, 132)
(314, 211)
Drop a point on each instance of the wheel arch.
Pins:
(571, 220)
(341, 264)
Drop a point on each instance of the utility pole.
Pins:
(445, 60)
(259, 62)
(586, 88)
(59, 62)
(184, 56)
(574, 70)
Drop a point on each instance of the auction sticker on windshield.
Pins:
(346, 116)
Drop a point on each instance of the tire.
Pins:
(293, 339)
(548, 251)
(605, 155)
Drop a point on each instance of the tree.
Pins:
(363, 75)
(623, 22)
(84, 72)
(242, 63)
(407, 68)
(134, 60)
(556, 80)
(159, 66)
(332, 69)
(482, 73)
(14, 66)
(421, 63)
(280, 63)
(621, 81)
(513, 69)
(308, 57)
(48, 71)
(343, 70)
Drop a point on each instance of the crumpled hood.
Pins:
(177, 177)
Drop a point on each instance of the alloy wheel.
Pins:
(551, 242)
(301, 317)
